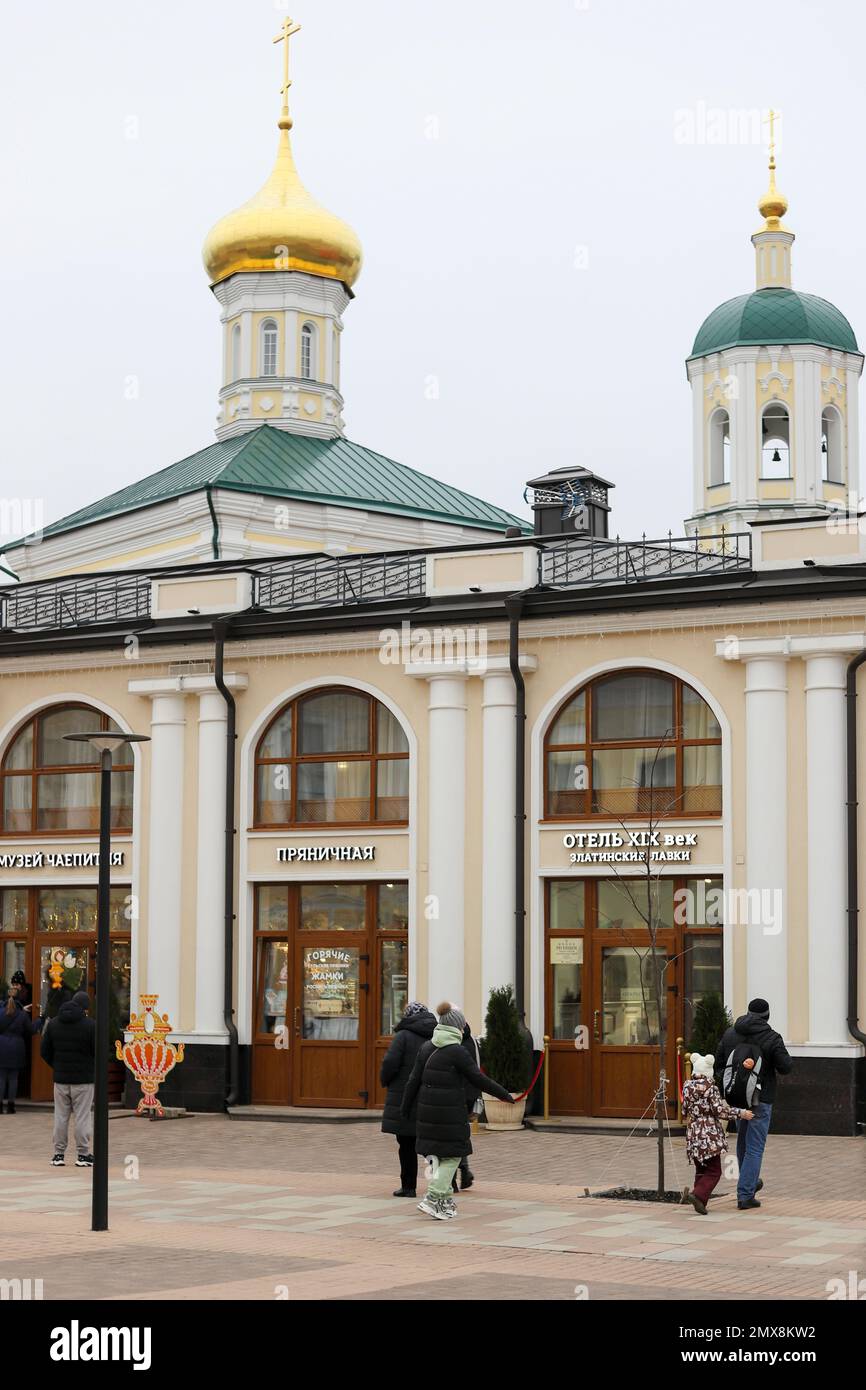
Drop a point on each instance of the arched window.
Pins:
(335, 757)
(720, 448)
(775, 442)
(269, 348)
(236, 352)
(636, 743)
(49, 785)
(308, 352)
(831, 446)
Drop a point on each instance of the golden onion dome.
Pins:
(283, 228)
(773, 205)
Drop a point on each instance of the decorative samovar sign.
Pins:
(149, 1055)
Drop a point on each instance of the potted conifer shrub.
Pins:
(711, 1020)
(504, 1057)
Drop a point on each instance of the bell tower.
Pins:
(775, 380)
(282, 268)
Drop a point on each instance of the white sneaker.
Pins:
(428, 1207)
(442, 1212)
(449, 1206)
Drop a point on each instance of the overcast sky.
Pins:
(550, 196)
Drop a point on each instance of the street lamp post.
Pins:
(104, 742)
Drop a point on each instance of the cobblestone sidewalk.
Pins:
(212, 1208)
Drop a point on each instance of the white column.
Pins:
(700, 475)
(246, 344)
(767, 833)
(165, 855)
(210, 850)
(825, 847)
(497, 812)
(745, 449)
(447, 834)
(852, 432)
(291, 330)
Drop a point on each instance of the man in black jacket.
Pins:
(754, 1028)
(415, 1028)
(69, 1047)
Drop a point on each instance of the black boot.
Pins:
(10, 1108)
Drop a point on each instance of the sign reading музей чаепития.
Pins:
(630, 846)
(58, 859)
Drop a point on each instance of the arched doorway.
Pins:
(330, 944)
(631, 757)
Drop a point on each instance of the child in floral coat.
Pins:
(704, 1112)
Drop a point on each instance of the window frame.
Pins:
(677, 744)
(307, 363)
(34, 772)
(294, 760)
(268, 328)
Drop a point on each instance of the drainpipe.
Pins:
(215, 534)
(220, 630)
(514, 608)
(853, 906)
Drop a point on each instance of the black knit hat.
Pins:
(759, 1006)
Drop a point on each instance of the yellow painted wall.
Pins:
(566, 651)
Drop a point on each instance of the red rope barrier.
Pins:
(525, 1093)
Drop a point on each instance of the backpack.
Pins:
(741, 1086)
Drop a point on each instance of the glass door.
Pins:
(329, 1012)
(625, 1024)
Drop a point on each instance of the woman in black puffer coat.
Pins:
(16, 1028)
(414, 1029)
(438, 1081)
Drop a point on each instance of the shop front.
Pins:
(49, 866)
(631, 858)
(327, 866)
(331, 983)
(601, 999)
(50, 934)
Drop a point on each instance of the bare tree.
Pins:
(643, 893)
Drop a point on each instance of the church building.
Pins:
(406, 744)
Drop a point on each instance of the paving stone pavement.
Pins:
(213, 1208)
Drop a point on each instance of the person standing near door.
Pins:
(16, 1026)
(414, 1029)
(69, 1047)
(752, 1033)
(442, 1068)
(473, 1095)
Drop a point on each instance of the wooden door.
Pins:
(624, 1023)
(329, 1019)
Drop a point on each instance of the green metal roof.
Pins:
(277, 463)
(774, 316)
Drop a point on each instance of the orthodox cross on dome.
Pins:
(773, 205)
(770, 119)
(289, 28)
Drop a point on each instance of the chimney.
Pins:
(570, 501)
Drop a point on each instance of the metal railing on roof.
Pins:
(329, 581)
(584, 561)
(68, 603)
(342, 581)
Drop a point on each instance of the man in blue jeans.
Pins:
(754, 1028)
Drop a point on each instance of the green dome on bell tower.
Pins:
(772, 316)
